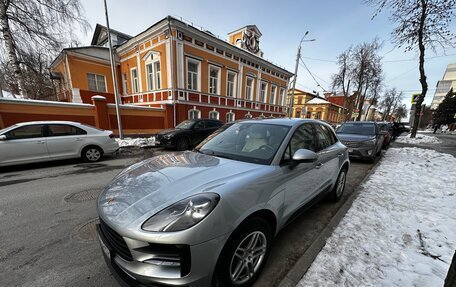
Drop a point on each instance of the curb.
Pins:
(302, 265)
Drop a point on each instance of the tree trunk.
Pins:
(423, 82)
(361, 102)
(13, 60)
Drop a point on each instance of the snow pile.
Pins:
(140, 142)
(419, 139)
(400, 231)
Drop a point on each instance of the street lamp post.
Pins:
(114, 75)
(298, 56)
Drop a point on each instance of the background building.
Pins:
(443, 86)
(187, 71)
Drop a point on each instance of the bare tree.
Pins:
(389, 102)
(28, 26)
(421, 24)
(400, 112)
(374, 92)
(342, 79)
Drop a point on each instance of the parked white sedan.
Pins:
(53, 140)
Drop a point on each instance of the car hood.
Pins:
(147, 187)
(169, 131)
(355, 137)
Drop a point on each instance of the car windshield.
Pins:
(4, 130)
(358, 129)
(185, 125)
(248, 142)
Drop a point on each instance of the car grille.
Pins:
(116, 241)
(158, 137)
(351, 143)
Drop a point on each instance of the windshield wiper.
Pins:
(211, 152)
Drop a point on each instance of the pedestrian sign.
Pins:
(415, 98)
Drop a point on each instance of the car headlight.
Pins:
(168, 136)
(370, 142)
(183, 214)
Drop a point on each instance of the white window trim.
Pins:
(104, 77)
(265, 99)
(219, 76)
(274, 95)
(198, 78)
(153, 85)
(250, 96)
(133, 80)
(214, 112)
(230, 113)
(234, 85)
(192, 110)
(282, 95)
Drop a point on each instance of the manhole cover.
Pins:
(86, 232)
(81, 196)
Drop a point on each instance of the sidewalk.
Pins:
(400, 229)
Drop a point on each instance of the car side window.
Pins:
(25, 132)
(199, 125)
(325, 137)
(212, 124)
(64, 130)
(303, 137)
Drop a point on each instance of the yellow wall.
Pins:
(79, 68)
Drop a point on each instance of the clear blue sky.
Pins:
(334, 24)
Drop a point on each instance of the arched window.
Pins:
(230, 117)
(214, 115)
(194, 114)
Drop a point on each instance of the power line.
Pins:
(384, 61)
(305, 66)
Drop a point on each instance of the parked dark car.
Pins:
(363, 139)
(399, 128)
(387, 128)
(187, 134)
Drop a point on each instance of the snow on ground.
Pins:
(140, 142)
(419, 139)
(400, 231)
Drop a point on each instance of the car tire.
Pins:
(379, 152)
(339, 186)
(182, 143)
(238, 265)
(91, 154)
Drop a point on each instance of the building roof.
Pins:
(318, 101)
(248, 27)
(80, 50)
(98, 31)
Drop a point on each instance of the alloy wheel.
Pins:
(248, 257)
(93, 154)
(340, 184)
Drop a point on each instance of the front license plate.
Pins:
(350, 150)
(104, 248)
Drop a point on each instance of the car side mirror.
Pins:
(302, 156)
(3, 138)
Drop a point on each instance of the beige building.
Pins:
(443, 86)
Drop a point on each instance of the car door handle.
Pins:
(79, 140)
(318, 165)
(40, 142)
(340, 155)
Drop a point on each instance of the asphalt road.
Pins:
(47, 219)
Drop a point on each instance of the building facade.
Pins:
(311, 106)
(443, 86)
(193, 74)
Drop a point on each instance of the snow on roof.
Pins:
(317, 101)
(6, 94)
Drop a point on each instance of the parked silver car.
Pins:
(363, 139)
(208, 216)
(53, 140)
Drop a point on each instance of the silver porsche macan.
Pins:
(208, 216)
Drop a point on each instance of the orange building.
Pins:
(188, 71)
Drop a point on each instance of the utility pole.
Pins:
(114, 74)
(298, 56)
